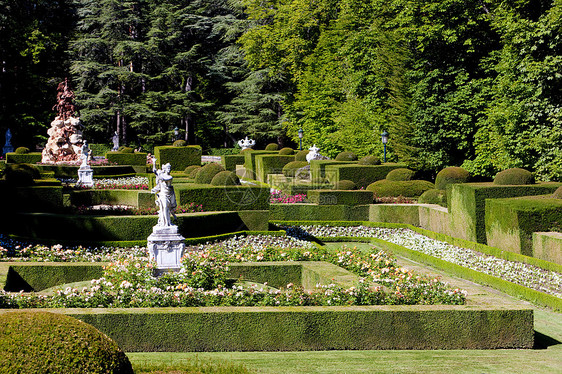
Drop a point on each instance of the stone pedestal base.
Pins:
(85, 176)
(166, 247)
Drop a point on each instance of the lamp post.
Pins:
(301, 134)
(384, 139)
(176, 133)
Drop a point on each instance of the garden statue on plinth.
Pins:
(313, 154)
(85, 172)
(8, 147)
(115, 140)
(165, 245)
(246, 143)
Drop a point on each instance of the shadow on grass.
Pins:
(543, 341)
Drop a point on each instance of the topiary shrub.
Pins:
(345, 185)
(291, 168)
(301, 155)
(558, 193)
(190, 168)
(22, 150)
(400, 174)
(43, 342)
(434, 196)
(346, 156)
(194, 171)
(246, 150)
(124, 149)
(287, 151)
(272, 147)
(451, 175)
(207, 172)
(225, 178)
(369, 160)
(514, 176)
(413, 188)
(21, 174)
(180, 143)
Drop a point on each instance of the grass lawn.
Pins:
(545, 358)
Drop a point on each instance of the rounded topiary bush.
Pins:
(558, 193)
(194, 171)
(345, 184)
(399, 188)
(246, 150)
(21, 174)
(272, 147)
(207, 172)
(180, 143)
(225, 178)
(370, 160)
(286, 151)
(400, 174)
(291, 168)
(346, 156)
(434, 196)
(451, 175)
(22, 150)
(301, 155)
(190, 169)
(43, 342)
(514, 176)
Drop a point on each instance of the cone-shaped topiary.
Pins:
(43, 342)
(194, 171)
(291, 168)
(400, 188)
(400, 174)
(301, 155)
(207, 172)
(272, 147)
(346, 156)
(369, 160)
(286, 151)
(190, 168)
(21, 174)
(345, 184)
(22, 150)
(434, 196)
(514, 176)
(225, 178)
(450, 175)
(180, 143)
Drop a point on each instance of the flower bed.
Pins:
(128, 183)
(278, 197)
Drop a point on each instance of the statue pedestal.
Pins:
(85, 176)
(166, 247)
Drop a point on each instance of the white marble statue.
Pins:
(313, 154)
(246, 143)
(165, 196)
(85, 154)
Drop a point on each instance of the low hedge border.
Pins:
(291, 212)
(136, 198)
(361, 175)
(229, 162)
(120, 158)
(109, 171)
(224, 198)
(178, 157)
(250, 161)
(270, 164)
(27, 158)
(340, 197)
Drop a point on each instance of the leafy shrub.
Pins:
(272, 147)
(558, 193)
(396, 188)
(369, 160)
(514, 176)
(451, 175)
(434, 196)
(194, 171)
(286, 151)
(301, 155)
(190, 168)
(224, 151)
(42, 342)
(346, 156)
(180, 143)
(206, 173)
(225, 178)
(400, 174)
(124, 149)
(345, 185)
(22, 150)
(21, 174)
(290, 169)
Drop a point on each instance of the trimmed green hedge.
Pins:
(318, 167)
(250, 161)
(26, 158)
(340, 197)
(362, 175)
(466, 204)
(270, 164)
(547, 246)
(178, 157)
(229, 162)
(510, 223)
(37, 277)
(63, 171)
(31, 199)
(136, 198)
(293, 212)
(120, 158)
(395, 213)
(314, 328)
(412, 188)
(217, 198)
